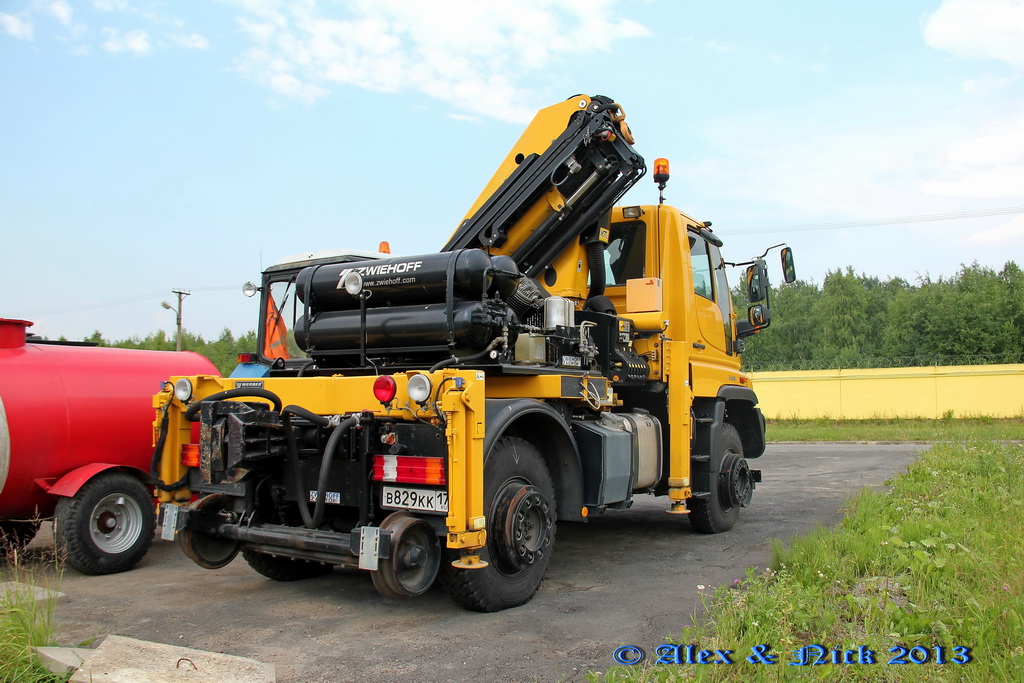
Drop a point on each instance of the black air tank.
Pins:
(398, 280)
(473, 326)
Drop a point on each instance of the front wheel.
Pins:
(731, 488)
(519, 500)
(107, 526)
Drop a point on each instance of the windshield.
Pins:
(277, 341)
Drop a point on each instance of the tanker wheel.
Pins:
(519, 499)
(15, 535)
(731, 489)
(207, 550)
(284, 568)
(415, 557)
(107, 526)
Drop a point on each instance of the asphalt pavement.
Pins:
(628, 577)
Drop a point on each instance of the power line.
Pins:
(135, 298)
(898, 220)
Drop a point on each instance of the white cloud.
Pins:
(191, 41)
(979, 29)
(109, 5)
(1011, 232)
(135, 41)
(988, 161)
(58, 9)
(16, 26)
(470, 53)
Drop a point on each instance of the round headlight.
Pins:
(419, 388)
(183, 389)
(250, 289)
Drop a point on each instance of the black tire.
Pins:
(284, 568)
(107, 526)
(515, 479)
(716, 513)
(15, 535)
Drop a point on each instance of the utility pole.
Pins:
(177, 311)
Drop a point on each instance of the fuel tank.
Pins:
(398, 280)
(63, 406)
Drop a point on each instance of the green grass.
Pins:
(949, 429)
(24, 623)
(934, 561)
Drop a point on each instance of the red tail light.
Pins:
(247, 358)
(384, 388)
(409, 469)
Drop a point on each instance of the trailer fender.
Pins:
(548, 430)
(70, 483)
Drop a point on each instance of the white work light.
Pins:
(183, 389)
(353, 282)
(419, 388)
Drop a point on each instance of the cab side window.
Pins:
(626, 251)
(702, 273)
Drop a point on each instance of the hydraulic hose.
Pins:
(313, 520)
(459, 360)
(306, 415)
(190, 414)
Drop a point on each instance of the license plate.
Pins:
(404, 498)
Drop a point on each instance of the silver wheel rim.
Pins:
(115, 523)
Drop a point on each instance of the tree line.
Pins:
(851, 320)
(222, 352)
(974, 317)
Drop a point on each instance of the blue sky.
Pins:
(147, 146)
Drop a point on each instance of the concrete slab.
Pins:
(63, 660)
(127, 660)
(36, 593)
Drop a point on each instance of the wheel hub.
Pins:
(522, 525)
(735, 482)
(106, 522)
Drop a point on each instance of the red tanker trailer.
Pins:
(76, 444)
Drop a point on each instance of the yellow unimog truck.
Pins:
(434, 417)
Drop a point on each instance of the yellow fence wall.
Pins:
(967, 391)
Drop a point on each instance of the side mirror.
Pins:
(757, 281)
(758, 318)
(788, 268)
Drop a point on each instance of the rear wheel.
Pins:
(519, 500)
(107, 526)
(731, 489)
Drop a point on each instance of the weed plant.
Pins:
(25, 622)
(932, 562)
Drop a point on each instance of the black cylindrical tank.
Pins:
(474, 325)
(398, 280)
